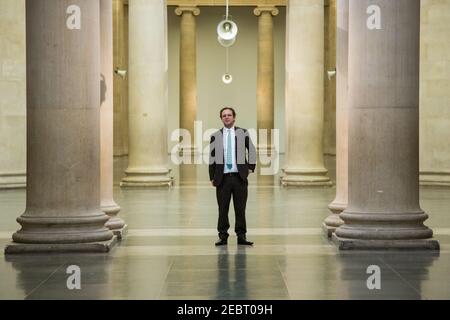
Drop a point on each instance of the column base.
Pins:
(120, 233)
(364, 244)
(331, 223)
(147, 178)
(111, 210)
(71, 228)
(114, 223)
(337, 207)
(328, 230)
(13, 180)
(90, 247)
(305, 178)
(438, 179)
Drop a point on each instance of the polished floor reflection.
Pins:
(169, 252)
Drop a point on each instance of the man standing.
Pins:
(228, 172)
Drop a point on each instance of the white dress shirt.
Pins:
(226, 132)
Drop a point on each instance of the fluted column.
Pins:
(148, 157)
(63, 130)
(108, 205)
(188, 73)
(383, 210)
(265, 76)
(13, 98)
(304, 95)
(340, 202)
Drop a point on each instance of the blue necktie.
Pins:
(229, 151)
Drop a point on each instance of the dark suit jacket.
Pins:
(243, 143)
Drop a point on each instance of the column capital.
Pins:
(271, 9)
(183, 9)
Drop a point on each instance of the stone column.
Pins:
(340, 202)
(305, 95)
(329, 132)
(120, 82)
(109, 206)
(265, 76)
(63, 124)
(383, 210)
(435, 95)
(13, 99)
(188, 73)
(148, 155)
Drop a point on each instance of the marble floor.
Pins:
(169, 251)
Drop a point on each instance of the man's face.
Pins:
(228, 118)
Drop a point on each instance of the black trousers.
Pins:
(232, 185)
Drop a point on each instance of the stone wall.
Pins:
(435, 93)
(12, 94)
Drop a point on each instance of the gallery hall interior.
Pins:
(224, 149)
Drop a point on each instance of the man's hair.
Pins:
(227, 108)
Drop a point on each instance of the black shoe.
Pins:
(244, 242)
(222, 242)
